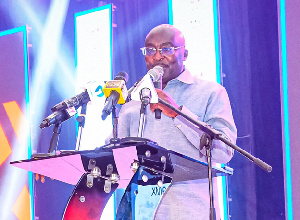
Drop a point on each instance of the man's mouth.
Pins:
(164, 66)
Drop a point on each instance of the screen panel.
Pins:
(198, 21)
(15, 184)
(94, 63)
(93, 47)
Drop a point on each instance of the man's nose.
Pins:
(158, 55)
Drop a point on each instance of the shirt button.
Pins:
(178, 126)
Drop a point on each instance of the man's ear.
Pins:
(185, 55)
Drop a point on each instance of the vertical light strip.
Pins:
(170, 5)
(216, 32)
(286, 111)
(27, 109)
(222, 187)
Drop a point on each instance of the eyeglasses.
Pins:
(165, 51)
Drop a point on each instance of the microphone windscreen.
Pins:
(156, 73)
(122, 76)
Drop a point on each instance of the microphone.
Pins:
(67, 108)
(115, 92)
(156, 74)
(79, 99)
(58, 117)
(158, 85)
(92, 89)
(153, 75)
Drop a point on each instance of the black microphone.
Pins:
(122, 76)
(58, 117)
(115, 92)
(93, 91)
(77, 100)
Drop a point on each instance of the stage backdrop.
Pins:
(250, 60)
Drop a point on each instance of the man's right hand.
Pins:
(167, 98)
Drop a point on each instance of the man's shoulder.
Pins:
(207, 84)
(187, 78)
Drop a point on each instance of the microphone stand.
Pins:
(81, 121)
(54, 138)
(115, 116)
(145, 96)
(214, 134)
(206, 140)
(158, 84)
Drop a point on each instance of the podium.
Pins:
(137, 164)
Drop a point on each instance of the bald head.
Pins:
(166, 36)
(167, 31)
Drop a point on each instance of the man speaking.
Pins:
(202, 100)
